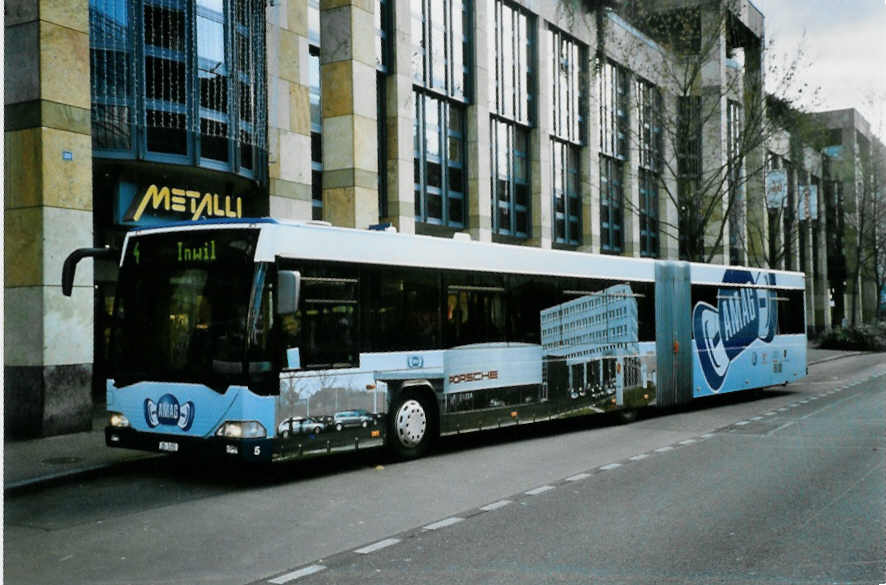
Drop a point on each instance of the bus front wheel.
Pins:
(411, 426)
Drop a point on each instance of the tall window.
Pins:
(512, 90)
(441, 76)
(736, 199)
(382, 59)
(439, 161)
(613, 90)
(316, 132)
(691, 227)
(649, 107)
(568, 105)
(179, 81)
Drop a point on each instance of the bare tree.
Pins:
(717, 125)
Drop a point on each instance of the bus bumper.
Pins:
(252, 450)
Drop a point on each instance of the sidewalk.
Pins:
(34, 462)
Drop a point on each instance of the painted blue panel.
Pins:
(187, 409)
(761, 364)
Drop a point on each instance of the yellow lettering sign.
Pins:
(185, 202)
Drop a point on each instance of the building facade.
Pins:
(546, 124)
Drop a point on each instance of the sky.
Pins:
(842, 49)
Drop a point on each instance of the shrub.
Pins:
(860, 338)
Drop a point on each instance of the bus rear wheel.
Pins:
(411, 426)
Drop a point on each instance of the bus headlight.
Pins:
(241, 429)
(118, 420)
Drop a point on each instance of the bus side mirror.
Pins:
(288, 287)
(70, 265)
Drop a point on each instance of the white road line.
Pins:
(782, 410)
(664, 449)
(297, 574)
(377, 546)
(708, 436)
(742, 423)
(688, 442)
(540, 490)
(578, 477)
(610, 466)
(755, 418)
(443, 523)
(639, 457)
(496, 505)
(770, 413)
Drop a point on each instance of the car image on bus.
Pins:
(268, 340)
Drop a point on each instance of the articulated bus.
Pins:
(266, 340)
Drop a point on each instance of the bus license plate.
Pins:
(168, 446)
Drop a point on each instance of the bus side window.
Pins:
(327, 322)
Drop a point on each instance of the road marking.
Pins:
(756, 418)
(708, 436)
(742, 423)
(496, 505)
(610, 466)
(443, 523)
(297, 574)
(664, 449)
(639, 457)
(540, 490)
(688, 442)
(578, 477)
(781, 428)
(377, 546)
(782, 410)
(770, 413)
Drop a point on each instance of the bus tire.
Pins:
(412, 425)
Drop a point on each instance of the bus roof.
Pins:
(321, 241)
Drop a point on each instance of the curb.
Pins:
(52, 479)
(837, 357)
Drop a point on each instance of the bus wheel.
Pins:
(411, 426)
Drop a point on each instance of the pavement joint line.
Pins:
(443, 523)
(610, 466)
(639, 457)
(306, 571)
(539, 490)
(496, 505)
(578, 477)
(377, 546)
(664, 449)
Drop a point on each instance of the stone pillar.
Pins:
(479, 145)
(400, 110)
(289, 110)
(822, 280)
(541, 160)
(713, 112)
(349, 106)
(590, 169)
(48, 213)
(631, 205)
(668, 217)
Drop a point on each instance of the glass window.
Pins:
(691, 228)
(613, 90)
(439, 161)
(441, 46)
(511, 62)
(199, 67)
(569, 71)
(611, 205)
(567, 199)
(648, 213)
(510, 179)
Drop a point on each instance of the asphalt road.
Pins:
(785, 486)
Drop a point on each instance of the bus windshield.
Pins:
(184, 310)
